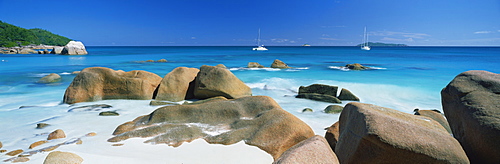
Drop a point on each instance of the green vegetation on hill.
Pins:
(11, 36)
(377, 44)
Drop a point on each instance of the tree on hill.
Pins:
(11, 36)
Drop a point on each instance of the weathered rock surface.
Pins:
(38, 143)
(51, 78)
(58, 157)
(56, 134)
(74, 48)
(254, 65)
(100, 83)
(14, 152)
(356, 66)
(312, 150)
(319, 97)
(319, 89)
(177, 85)
(373, 134)
(471, 103)
(257, 120)
(215, 81)
(57, 50)
(347, 95)
(109, 113)
(332, 135)
(436, 116)
(279, 64)
(27, 51)
(333, 109)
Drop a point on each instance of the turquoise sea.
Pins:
(402, 78)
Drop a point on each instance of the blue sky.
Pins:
(282, 22)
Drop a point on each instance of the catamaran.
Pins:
(259, 47)
(365, 46)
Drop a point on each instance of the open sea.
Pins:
(402, 78)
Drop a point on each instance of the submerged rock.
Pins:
(333, 109)
(109, 113)
(100, 83)
(307, 110)
(42, 125)
(471, 103)
(371, 133)
(257, 120)
(51, 78)
(95, 107)
(14, 152)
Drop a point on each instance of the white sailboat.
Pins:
(259, 47)
(365, 46)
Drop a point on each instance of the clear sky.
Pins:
(282, 22)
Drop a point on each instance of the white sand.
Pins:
(96, 149)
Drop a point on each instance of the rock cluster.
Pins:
(100, 83)
(325, 93)
(276, 64)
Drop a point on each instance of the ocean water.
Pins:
(402, 78)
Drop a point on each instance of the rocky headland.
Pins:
(71, 48)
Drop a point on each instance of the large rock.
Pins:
(373, 134)
(312, 150)
(319, 89)
(57, 50)
(74, 48)
(332, 135)
(319, 92)
(58, 157)
(215, 81)
(100, 83)
(177, 85)
(471, 103)
(333, 109)
(279, 64)
(257, 120)
(436, 116)
(347, 95)
(51, 78)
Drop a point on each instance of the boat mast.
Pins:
(365, 39)
(258, 39)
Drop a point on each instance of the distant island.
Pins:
(378, 44)
(14, 36)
